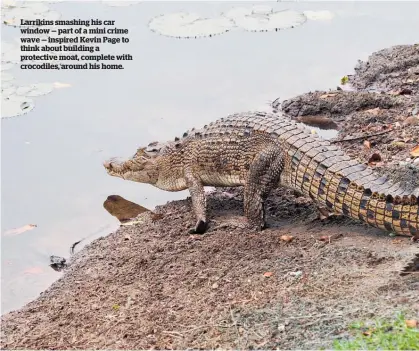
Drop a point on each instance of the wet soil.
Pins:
(377, 115)
(152, 285)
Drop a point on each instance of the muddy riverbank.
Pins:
(296, 285)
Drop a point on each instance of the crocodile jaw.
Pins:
(137, 169)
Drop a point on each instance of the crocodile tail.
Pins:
(398, 214)
(357, 192)
(393, 209)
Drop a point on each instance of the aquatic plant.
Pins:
(254, 18)
(264, 18)
(120, 3)
(13, 11)
(189, 25)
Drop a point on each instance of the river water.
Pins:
(52, 173)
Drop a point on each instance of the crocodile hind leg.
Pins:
(264, 175)
(199, 205)
(323, 212)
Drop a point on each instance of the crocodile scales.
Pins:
(261, 151)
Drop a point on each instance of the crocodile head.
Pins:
(142, 167)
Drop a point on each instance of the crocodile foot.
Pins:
(200, 227)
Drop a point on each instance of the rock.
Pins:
(58, 263)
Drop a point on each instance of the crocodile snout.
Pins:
(112, 163)
(107, 164)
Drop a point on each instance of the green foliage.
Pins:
(381, 335)
(344, 80)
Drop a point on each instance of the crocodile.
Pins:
(261, 151)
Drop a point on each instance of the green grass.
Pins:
(381, 335)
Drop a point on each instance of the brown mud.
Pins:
(152, 285)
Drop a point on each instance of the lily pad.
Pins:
(6, 77)
(319, 15)
(10, 53)
(12, 14)
(264, 18)
(35, 89)
(11, 56)
(6, 85)
(6, 66)
(7, 91)
(13, 106)
(8, 3)
(120, 3)
(36, 7)
(189, 25)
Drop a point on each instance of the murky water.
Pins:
(52, 173)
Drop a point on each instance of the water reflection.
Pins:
(320, 122)
(123, 209)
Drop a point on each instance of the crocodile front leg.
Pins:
(264, 175)
(199, 204)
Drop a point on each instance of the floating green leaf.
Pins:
(344, 80)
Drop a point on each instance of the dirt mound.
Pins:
(377, 128)
(391, 69)
(152, 285)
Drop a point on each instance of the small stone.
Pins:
(281, 327)
(214, 286)
(416, 161)
(398, 144)
(296, 274)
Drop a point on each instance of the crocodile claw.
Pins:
(200, 227)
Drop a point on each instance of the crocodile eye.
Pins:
(153, 147)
